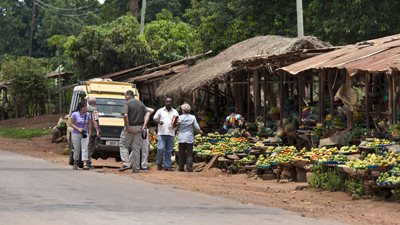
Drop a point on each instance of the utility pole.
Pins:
(142, 17)
(300, 29)
(33, 21)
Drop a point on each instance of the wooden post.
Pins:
(208, 98)
(389, 81)
(321, 95)
(394, 100)
(265, 97)
(366, 80)
(281, 97)
(312, 90)
(216, 99)
(228, 93)
(150, 97)
(300, 94)
(256, 93)
(350, 119)
(248, 95)
(236, 90)
(331, 100)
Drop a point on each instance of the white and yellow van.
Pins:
(110, 99)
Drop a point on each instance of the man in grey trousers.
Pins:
(136, 118)
(94, 123)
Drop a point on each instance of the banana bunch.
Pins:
(328, 117)
(258, 144)
(275, 110)
(357, 115)
(203, 124)
(396, 133)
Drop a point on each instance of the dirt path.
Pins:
(310, 202)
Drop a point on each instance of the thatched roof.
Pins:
(216, 68)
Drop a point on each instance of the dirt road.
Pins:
(36, 191)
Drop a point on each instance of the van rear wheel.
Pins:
(71, 154)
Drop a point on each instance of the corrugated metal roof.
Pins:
(375, 56)
(159, 74)
(128, 71)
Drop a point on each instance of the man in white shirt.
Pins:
(166, 134)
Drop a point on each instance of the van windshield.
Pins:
(109, 107)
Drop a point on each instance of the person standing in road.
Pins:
(145, 147)
(136, 118)
(80, 121)
(166, 134)
(95, 127)
(186, 138)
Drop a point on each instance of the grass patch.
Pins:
(17, 133)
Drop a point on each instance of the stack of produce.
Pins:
(219, 149)
(379, 143)
(326, 151)
(337, 123)
(395, 170)
(355, 164)
(275, 110)
(341, 158)
(286, 154)
(205, 153)
(264, 161)
(387, 179)
(270, 149)
(394, 129)
(248, 159)
(348, 150)
(153, 140)
(199, 139)
(319, 130)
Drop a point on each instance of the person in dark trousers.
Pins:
(136, 118)
(166, 134)
(95, 127)
(186, 123)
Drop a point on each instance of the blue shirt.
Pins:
(80, 121)
(187, 122)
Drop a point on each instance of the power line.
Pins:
(66, 8)
(77, 15)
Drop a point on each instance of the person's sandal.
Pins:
(75, 166)
(86, 167)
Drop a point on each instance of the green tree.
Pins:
(114, 9)
(223, 23)
(169, 38)
(343, 22)
(153, 7)
(108, 48)
(14, 23)
(29, 87)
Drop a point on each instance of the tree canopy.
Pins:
(169, 38)
(108, 48)
(29, 87)
(223, 23)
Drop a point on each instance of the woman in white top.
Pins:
(186, 123)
